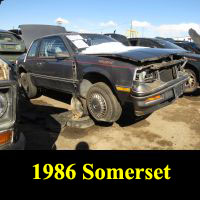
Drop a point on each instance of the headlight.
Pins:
(146, 76)
(142, 76)
(3, 104)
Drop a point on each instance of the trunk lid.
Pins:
(32, 32)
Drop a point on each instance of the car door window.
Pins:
(33, 50)
(51, 46)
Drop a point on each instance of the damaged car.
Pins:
(192, 67)
(103, 74)
(10, 135)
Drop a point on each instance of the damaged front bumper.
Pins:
(149, 97)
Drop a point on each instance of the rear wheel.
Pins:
(192, 84)
(102, 103)
(27, 86)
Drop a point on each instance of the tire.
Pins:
(27, 86)
(102, 103)
(192, 85)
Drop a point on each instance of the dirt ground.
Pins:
(175, 127)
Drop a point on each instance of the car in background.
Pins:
(102, 74)
(192, 67)
(11, 46)
(10, 135)
(14, 43)
(189, 46)
(121, 38)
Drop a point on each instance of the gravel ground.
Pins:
(175, 127)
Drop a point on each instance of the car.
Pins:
(189, 46)
(11, 137)
(102, 74)
(192, 67)
(11, 46)
(121, 38)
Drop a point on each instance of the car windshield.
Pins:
(96, 39)
(168, 45)
(6, 37)
(84, 41)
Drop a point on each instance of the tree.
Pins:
(1, 1)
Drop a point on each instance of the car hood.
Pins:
(33, 32)
(136, 54)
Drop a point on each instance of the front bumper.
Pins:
(167, 92)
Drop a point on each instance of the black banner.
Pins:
(109, 167)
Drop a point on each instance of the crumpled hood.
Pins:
(137, 54)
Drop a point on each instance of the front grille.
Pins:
(168, 74)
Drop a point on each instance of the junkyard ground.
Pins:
(175, 127)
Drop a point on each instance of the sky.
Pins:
(150, 18)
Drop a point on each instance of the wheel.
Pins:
(27, 86)
(102, 103)
(192, 84)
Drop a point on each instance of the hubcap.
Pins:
(97, 106)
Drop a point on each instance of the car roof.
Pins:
(68, 33)
(58, 34)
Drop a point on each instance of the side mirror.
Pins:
(62, 55)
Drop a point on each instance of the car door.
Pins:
(56, 74)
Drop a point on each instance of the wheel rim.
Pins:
(97, 106)
(191, 82)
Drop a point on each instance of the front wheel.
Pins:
(192, 84)
(102, 103)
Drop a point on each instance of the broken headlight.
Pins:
(3, 104)
(146, 76)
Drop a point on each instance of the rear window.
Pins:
(7, 38)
